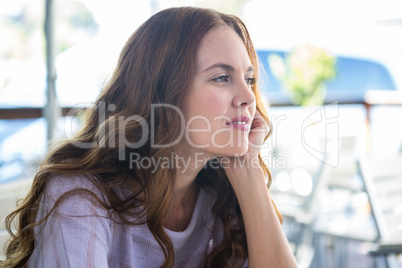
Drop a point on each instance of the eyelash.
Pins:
(222, 78)
(249, 81)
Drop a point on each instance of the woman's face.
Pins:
(220, 104)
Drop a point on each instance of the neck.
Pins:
(185, 192)
(188, 165)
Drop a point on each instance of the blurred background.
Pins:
(332, 80)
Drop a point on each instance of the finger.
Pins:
(259, 123)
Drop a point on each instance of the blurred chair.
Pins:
(296, 190)
(343, 219)
(345, 211)
(383, 183)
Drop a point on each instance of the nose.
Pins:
(244, 96)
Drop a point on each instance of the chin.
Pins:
(236, 150)
(232, 151)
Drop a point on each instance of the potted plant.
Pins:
(304, 72)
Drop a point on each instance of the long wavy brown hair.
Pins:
(156, 66)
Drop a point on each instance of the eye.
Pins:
(251, 81)
(222, 78)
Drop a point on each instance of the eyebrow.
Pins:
(227, 67)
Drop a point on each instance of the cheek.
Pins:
(209, 105)
(200, 112)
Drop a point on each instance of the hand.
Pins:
(240, 169)
(259, 129)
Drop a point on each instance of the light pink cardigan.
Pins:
(93, 240)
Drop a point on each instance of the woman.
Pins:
(166, 169)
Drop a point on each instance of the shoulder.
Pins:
(75, 194)
(59, 184)
(77, 228)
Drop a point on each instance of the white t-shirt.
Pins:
(81, 234)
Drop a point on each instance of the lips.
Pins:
(240, 122)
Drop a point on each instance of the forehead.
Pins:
(222, 45)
